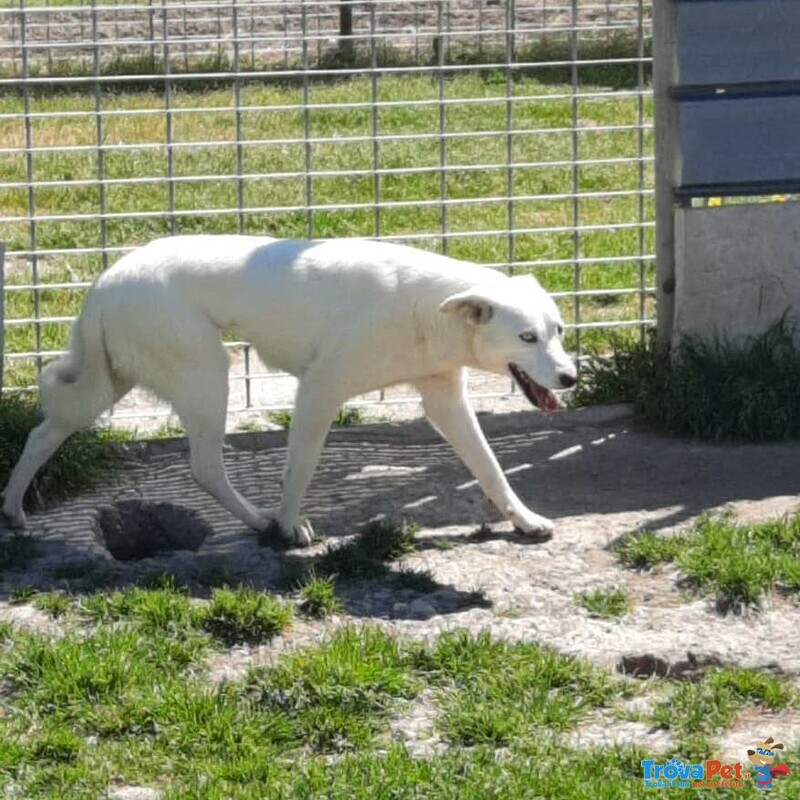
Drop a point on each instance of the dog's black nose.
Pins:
(567, 380)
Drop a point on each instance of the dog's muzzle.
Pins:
(539, 395)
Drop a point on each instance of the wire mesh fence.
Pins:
(516, 134)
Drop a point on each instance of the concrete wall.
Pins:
(737, 269)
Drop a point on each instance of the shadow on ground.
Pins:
(582, 467)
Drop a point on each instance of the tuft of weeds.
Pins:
(647, 550)
(244, 615)
(419, 580)
(282, 419)
(22, 594)
(496, 693)
(740, 564)
(337, 696)
(716, 390)
(318, 597)
(367, 553)
(606, 603)
(55, 604)
(152, 610)
(697, 711)
(345, 417)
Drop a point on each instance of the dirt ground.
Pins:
(592, 470)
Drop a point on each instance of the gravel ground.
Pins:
(590, 469)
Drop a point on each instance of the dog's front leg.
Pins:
(445, 401)
(314, 411)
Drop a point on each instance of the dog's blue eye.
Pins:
(529, 337)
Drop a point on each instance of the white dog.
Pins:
(343, 316)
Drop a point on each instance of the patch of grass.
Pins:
(367, 553)
(420, 580)
(696, 712)
(318, 597)
(714, 390)
(164, 609)
(22, 594)
(336, 696)
(77, 465)
(647, 550)
(740, 564)
(606, 603)
(217, 577)
(282, 419)
(168, 430)
(17, 551)
(55, 604)
(495, 693)
(244, 615)
(345, 417)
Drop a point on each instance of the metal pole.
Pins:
(668, 161)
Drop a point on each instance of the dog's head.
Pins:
(517, 328)
(764, 753)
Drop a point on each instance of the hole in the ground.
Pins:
(133, 529)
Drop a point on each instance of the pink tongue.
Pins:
(545, 399)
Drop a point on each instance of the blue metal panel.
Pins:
(738, 41)
(740, 140)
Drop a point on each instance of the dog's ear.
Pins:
(476, 308)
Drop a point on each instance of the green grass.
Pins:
(137, 210)
(125, 700)
(739, 564)
(534, 688)
(605, 603)
(696, 712)
(116, 704)
(715, 390)
(318, 597)
(244, 615)
(367, 553)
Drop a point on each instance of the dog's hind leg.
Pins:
(45, 439)
(42, 442)
(446, 405)
(199, 396)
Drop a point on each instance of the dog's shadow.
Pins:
(565, 465)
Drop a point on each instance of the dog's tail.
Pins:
(80, 385)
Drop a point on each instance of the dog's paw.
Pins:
(297, 534)
(533, 525)
(14, 518)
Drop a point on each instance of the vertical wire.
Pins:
(640, 148)
(510, 58)
(307, 121)
(169, 122)
(29, 171)
(442, 124)
(237, 106)
(376, 156)
(100, 137)
(576, 242)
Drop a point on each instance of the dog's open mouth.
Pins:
(538, 395)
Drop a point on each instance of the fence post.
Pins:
(667, 170)
(346, 29)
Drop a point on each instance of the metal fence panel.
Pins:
(516, 134)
